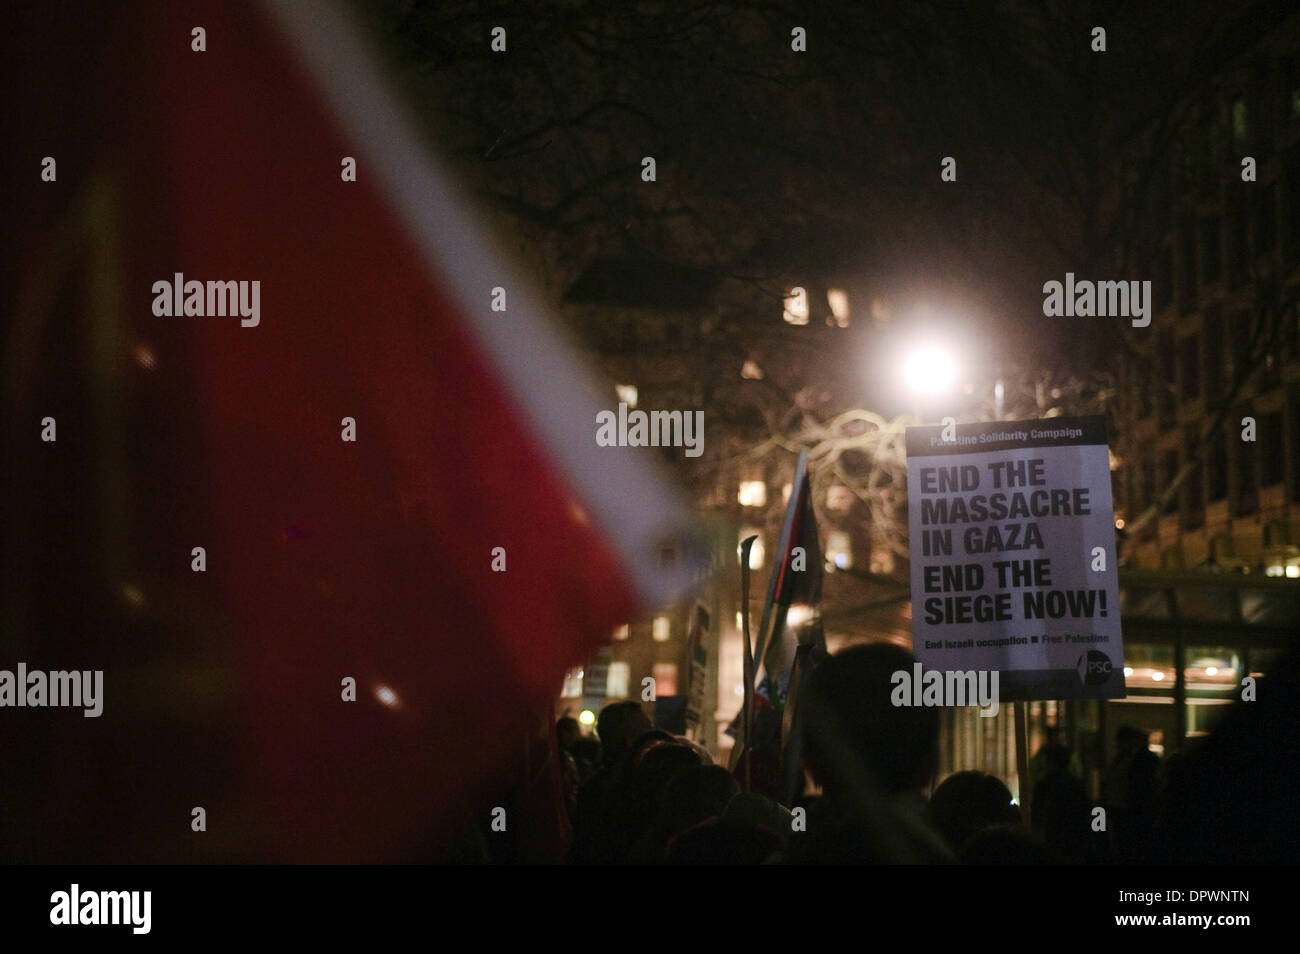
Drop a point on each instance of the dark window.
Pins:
(1194, 489)
(1293, 418)
(1148, 482)
(1239, 334)
(1270, 373)
(1216, 121)
(1238, 237)
(1187, 159)
(1164, 283)
(652, 331)
(1169, 470)
(1272, 457)
(1189, 368)
(1132, 499)
(1275, 333)
(1291, 173)
(1145, 406)
(1262, 115)
(1187, 268)
(1290, 334)
(1166, 405)
(1291, 87)
(1216, 468)
(1245, 496)
(1212, 354)
(1266, 219)
(1210, 255)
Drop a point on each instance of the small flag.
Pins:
(792, 615)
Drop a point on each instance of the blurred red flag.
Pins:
(474, 430)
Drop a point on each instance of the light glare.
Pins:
(929, 370)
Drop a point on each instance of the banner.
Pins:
(1013, 555)
(697, 671)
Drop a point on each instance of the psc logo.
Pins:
(1094, 668)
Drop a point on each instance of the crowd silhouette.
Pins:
(634, 794)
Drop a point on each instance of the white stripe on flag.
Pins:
(620, 487)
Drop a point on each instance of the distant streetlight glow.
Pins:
(929, 370)
(798, 614)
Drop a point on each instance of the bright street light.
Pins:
(929, 370)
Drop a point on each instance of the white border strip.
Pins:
(549, 387)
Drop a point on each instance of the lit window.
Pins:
(786, 490)
(839, 302)
(753, 493)
(662, 629)
(626, 394)
(616, 683)
(740, 620)
(622, 632)
(572, 684)
(882, 563)
(665, 675)
(839, 551)
(751, 371)
(796, 306)
(839, 497)
(756, 551)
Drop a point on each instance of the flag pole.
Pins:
(783, 548)
(1022, 757)
(747, 713)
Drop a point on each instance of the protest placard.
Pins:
(1013, 555)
